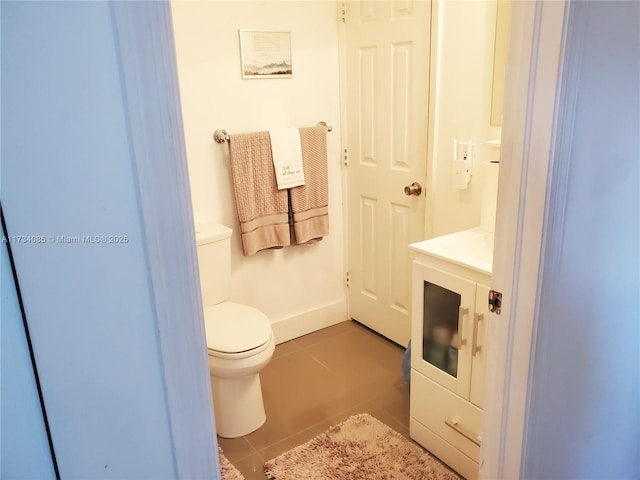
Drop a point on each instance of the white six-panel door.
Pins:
(387, 58)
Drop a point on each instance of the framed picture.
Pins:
(265, 54)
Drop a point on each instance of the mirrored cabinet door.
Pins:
(441, 340)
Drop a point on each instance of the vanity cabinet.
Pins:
(450, 290)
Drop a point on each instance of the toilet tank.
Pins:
(214, 262)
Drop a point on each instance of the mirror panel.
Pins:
(501, 47)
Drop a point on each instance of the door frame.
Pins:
(534, 73)
(143, 59)
(150, 80)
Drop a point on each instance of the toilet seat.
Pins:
(236, 331)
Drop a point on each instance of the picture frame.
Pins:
(265, 54)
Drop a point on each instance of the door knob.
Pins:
(414, 189)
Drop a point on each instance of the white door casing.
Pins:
(533, 75)
(387, 84)
(118, 325)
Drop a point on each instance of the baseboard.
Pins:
(310, 321)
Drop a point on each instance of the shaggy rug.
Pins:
(228, 471)
(361, 448)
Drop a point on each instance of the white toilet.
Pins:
(240, 340)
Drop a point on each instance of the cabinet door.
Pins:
(443, 306)
(478, 345)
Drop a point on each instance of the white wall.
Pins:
(583, 420)
(300, 288)
(213, 95)
(464, 56)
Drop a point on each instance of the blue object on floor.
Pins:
(406, 363)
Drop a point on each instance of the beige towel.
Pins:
(310, 202)
(262, 208)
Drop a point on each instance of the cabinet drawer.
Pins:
(446, 414)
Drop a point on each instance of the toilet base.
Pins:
(238, 405)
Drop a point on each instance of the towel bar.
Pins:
(221, 135)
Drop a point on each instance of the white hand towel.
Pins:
(286, 150)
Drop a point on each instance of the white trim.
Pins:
(344, 170)
(149, 76)
(533, 77)
(310, 321)
(434, 45)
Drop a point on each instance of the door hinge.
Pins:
(348, 280)
(343, 12)
(495, 301)
(345, 157)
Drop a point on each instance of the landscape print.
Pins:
(265, 54)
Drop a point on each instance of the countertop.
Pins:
(471, 248)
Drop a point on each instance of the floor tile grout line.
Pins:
(321, 363)
(259, 455)
(346, 326)
(243, 457)
(286, 354)
(311, 427)
(305, 352)
(334, 374)
(315, 344)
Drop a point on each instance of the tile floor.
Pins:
(319, 380)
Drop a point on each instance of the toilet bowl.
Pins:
(240, 340)
(239, 344)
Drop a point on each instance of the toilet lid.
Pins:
(234, 328)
